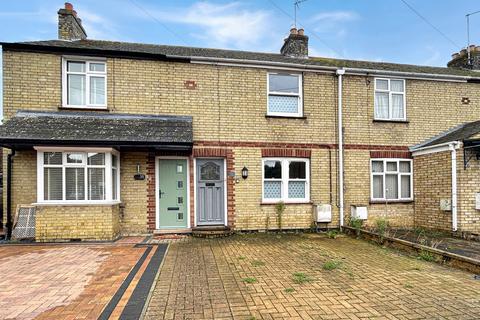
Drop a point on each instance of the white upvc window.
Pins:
(390, 99)
(76, 175)
(84, 83)
(284, 95)
(391, 179)
(285, 179)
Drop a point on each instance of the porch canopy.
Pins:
(93, 129)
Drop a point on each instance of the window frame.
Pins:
(84, 151)
(390, 93)
(285, 162)
(399, 179)
(299, 112)
(88, 74)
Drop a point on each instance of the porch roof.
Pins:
(124, 131)
(465, 132)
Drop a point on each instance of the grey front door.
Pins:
(210, 192)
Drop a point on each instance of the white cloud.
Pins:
(333, 23)
(228, 25)
(97, 26)
(434, 57)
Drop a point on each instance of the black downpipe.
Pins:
(9, 193)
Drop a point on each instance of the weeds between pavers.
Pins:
(300, 278)
(289, 290)
(331, 265)
(258, 263)
(249, 280)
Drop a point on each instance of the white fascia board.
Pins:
(447, 146)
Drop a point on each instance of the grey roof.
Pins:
(188, 52)
(459, 133)
(96, 128)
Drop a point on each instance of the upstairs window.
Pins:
(285, 95)
(390, 99)
(391, 179)
(84, 84)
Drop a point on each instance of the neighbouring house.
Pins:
(111, 138)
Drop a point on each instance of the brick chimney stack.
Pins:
(460, 59)
(296, 44)
(69, 24)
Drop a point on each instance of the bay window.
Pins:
(78, 175)
(391, 179)
(84, 83)
(286, 179)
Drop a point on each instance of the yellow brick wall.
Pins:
(228, 98)
(432, 107)
(133, 193)
(24, 185)
(251, 214)
(357, 192)
(432, 182)
(468, 185)
(62, 223)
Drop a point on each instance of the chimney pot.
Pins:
(69, 24)
(460, 59)
(296, 44)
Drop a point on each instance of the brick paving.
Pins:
(208, 279)
(62, 281)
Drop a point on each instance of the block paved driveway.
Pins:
(65, 281)
(209, 279)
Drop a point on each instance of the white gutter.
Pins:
(340, 73)
(432, 149)
(453, 148)
(318, 68)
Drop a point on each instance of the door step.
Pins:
(211, 231)
(172, 231)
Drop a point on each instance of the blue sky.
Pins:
(379, 30)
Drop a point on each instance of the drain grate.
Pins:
(476, 277)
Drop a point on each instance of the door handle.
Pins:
(160, 194)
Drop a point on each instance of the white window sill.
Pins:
(87, 107)
(73, 204)
(287, 116)
(269, 202)
(392, 120)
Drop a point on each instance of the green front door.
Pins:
(172, 193)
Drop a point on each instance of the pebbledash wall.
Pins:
(228, 105)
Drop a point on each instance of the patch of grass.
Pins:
(426, 256)
(258, 263)
(249, 280)
(355, 223)
(408, 286)
(242, 258)
(332, 234)
(289, 290)
(252, 318)
(300, 278)
(331, 265)
(381, 225)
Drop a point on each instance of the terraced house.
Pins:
(108, 138)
